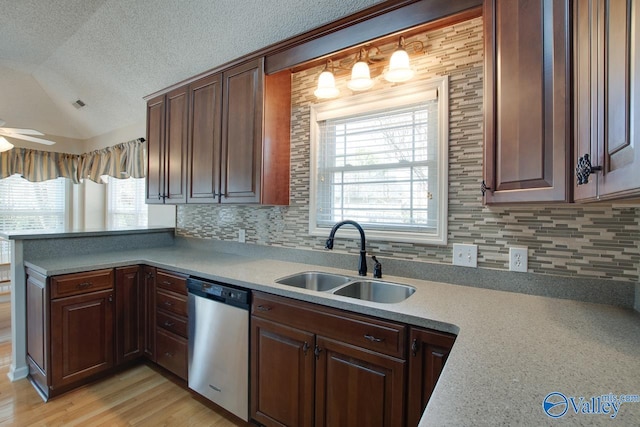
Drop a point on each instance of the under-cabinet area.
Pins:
(308, 364)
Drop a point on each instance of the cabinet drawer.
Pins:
(176, 304)
(363, 331)
(175, 324)
(172, 282)
(80, 283)
(171, 352)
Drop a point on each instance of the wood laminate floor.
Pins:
(137, 397)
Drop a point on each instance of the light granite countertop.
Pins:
(512, 349)
(57, 233)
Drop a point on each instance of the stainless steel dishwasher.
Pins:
(219, 344)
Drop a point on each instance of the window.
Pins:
(381, 159)
(126, 202)
(28, 205)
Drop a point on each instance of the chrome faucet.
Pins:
(362, 262)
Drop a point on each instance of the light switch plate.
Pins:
(518, 259)
(465, 255)
(242, 235)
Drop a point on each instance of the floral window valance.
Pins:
(120, 161)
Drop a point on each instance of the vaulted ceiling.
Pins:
(111, 53)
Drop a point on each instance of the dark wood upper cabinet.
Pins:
(604, 104)
(242, 133)
(205, 121)
(236, 125)
(167, 119)
(256, 118)
(527, 101)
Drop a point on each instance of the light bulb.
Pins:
(360, 77)
(5, 145)
(399, 69)
(326, 86)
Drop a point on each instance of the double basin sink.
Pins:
(337, 284)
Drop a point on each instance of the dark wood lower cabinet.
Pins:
(149, 312)
(171, 352)
(428, 352)
(357, 387)
(282, 363)
(129, 314)
(81, 337)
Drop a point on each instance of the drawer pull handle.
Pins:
(317, 351)
(264, 308)
(168, 303)
(168, 324)
(168, 354)
(84, 285)
(414, 347)
(166, 282)
(373, 339)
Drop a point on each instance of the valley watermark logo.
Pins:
(556, 404)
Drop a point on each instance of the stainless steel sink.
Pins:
(376, 291)
(315, 280)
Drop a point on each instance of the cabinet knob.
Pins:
(414, 347)
(584, 169)
(484, 188)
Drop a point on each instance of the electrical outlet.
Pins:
(465, 255)
(518, 258)
(242, 235)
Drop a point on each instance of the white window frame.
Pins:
(110, 212)
(399, 96)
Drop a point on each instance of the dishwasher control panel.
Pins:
(218, 291)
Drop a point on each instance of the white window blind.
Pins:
(382, 162)
(126, 202)
(28, 205)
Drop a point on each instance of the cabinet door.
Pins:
(129, 312)
(155, 149)
(81, 337)
(242, 133)
(149, 316)
(527, 101)
(357, 387)
(175, 172)
(204, 139)
(428, 353)
(281, 375)
(606, 98)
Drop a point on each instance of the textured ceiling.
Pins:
(111, 53)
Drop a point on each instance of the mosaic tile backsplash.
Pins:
(595, 241)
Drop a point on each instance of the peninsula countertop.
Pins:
(512, 349)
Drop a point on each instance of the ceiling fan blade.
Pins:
(32, 139)
(21, 131)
